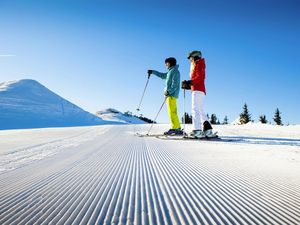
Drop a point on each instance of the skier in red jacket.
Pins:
(197, 85)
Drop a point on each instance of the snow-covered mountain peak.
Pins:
(114, 115)
(28, 104)
(24, 83)
(4, 86)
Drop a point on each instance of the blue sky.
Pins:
(96, 53)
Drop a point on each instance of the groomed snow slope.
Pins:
(115, 177)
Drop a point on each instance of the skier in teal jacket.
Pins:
(171, 92)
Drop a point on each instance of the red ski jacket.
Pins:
(198, 76)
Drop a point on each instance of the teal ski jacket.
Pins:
(172, 78)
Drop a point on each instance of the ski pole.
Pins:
(157, 115)
(184, 110)
(138, 108)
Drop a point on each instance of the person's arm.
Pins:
(159, 74)
(198, 73)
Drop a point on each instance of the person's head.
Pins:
(194, 55)
(170, 62)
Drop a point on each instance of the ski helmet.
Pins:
(171, 60)
(194, 54)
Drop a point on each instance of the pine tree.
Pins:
(277, 117)
(147, 120)
(188, 119)
(213, 119)
(128, 113)
(225, 121)
(263, 119)
(245, 116)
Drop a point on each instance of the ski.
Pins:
(148, 135)
(202, 138)
(187, 138)
(206, 139)
(190, 138)
(184, 138)
(157, 135)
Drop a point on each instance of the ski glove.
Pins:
(150, 72)
(186, 84)
(166, 93)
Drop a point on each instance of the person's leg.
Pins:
(207, 128)
(203, 116)
(169, 111)
(172, 111)
(196, 114)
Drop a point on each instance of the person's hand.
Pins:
(166, 93)
(186, 84)
(150, 72)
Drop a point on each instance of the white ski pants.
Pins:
(198, 114)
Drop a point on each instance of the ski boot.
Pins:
(196, 134)
(173, 132)
(210, 134)
(179, 132)
(207, 130)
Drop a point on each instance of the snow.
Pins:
(113, 115)
(6, 85)
(28, 104)
(108, 175)
(260, 130)
(37, 144)
(237, 121)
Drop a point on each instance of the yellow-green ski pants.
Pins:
(172, 111)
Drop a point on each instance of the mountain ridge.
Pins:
(27, 103)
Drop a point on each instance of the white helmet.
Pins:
(194, 54)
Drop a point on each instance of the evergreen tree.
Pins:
(245, 116)
(188, 118)
(147, 120)
(213, 119)
(263, 119)
(277, 117)
(128, 113)
(225, 121)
